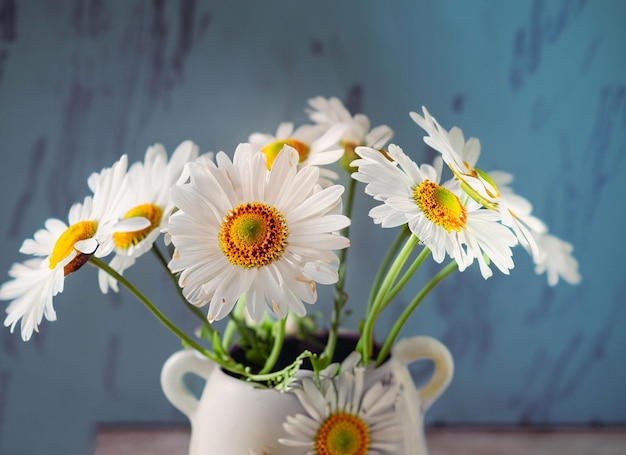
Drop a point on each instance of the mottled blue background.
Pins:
(541, 83)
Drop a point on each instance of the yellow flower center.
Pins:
(152, 212)
(342, 434)
(64, 246)
(272, 150)
(440, 206)
(253, 235)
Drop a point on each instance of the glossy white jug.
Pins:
(235, 417)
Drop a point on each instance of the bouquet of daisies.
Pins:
(249, 236)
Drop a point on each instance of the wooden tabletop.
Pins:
(441, 441)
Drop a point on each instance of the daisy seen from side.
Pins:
(147, 195)
(556, 260)
(553, 255)
(61, 249)
(461, 157)
(316, 144)
(357, 130)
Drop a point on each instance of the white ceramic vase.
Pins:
(235, 417)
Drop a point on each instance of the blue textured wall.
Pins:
(541, 83)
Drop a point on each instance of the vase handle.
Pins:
(174, 370)
(409, 350)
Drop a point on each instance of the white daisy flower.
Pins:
(517, 206)
(148, 196)
(345, 415)
(316, 144)
(461, 157)
(434, 213)
(516, 212)
(357, 132)
(556, 260)
(61, 249)
(244, 230)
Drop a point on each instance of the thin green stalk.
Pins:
(340, 294)
(153, 309)
(231, 327)
(225, 362)
(279, 338)
(395, 330)
(382, 298)
(162, 260)
(245, 333)
(194, 309)
(384, 265)
(278, 376)
(409, 273)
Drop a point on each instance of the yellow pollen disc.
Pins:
(64, 245)
(342, 434)
(150, 211)
(253, 235)
(440, 206)
(272, 150)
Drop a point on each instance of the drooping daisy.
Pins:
(345, 415)
(550, 254)
(434, 213)
(516, 212)
(265, 235)
(148, 196)
(357, 132)
(60, 249)
(461, 157)
(316, 144)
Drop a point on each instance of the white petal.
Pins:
(86, 246)
(136, 223)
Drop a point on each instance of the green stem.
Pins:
(194, 309)
(409, 273)
(163, 261)
(224, 360)
(391, 252)
(382, 298)
(340, 294)
(286, 372)
(153, 309)
(395, 330)
(279, 338)
(231, 327)
(237, 324)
